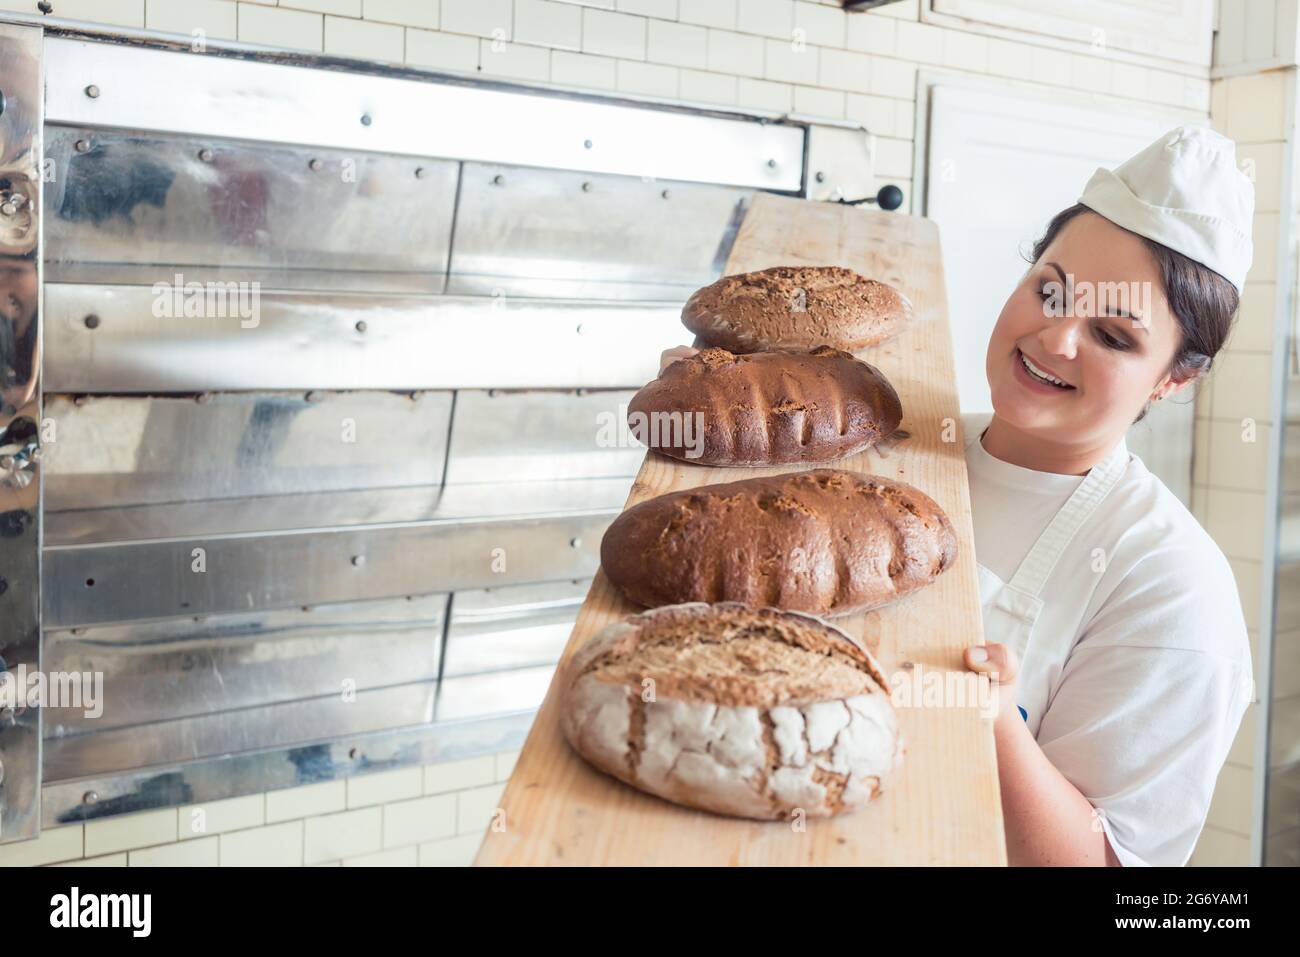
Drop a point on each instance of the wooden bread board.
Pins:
(944, 806)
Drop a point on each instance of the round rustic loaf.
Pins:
(768, 408)
(796, 308)
(827, 541)
(751, 712)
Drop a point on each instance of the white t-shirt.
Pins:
(1141, 712)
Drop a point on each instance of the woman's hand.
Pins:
(1001, 665)
(669, 356)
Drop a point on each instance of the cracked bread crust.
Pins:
(750, 712)
(796, 308)
(767, 408)
(826, 541)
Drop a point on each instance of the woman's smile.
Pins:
(1037, 378)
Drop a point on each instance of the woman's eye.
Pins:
(1112, 342)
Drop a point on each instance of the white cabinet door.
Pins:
(998, 166)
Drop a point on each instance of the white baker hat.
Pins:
(1184, 191)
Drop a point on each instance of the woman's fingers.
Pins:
(669, 356)
(995, 660)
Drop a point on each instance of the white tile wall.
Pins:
(344, 8)
(216, 18)
(411, 13)
(484, 18)
(544, 23)
(274, 27)
(384, 42)
(613, 34)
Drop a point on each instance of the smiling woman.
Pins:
(1112, 619)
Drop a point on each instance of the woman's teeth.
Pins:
(1041, 375)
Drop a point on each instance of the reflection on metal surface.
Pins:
(125, 451)
(487, 502)
(540, 436)
(232, 775)
(499, 629)
(526, 232)
(312, 342)
(478, 696)
(20, 417)
(196, 666)
(137, 208)
(224, 574)
(238, 99)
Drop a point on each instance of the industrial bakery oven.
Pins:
(312, 384)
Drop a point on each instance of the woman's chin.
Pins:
(1021, 413)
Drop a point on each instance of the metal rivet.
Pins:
(365, 119)
(314, 164)
(2, 102)
(419, 172)
(586, 187)
(498, 180)
(771, 164)
(353, 753)
(820, 177)
(203, 398)
(45, 6)
(361, 325)
(90, 797)
(579, 329)
(314, 396)
(92, 91)
(8, 208)
(91, 321)
(358, 561)
(575, 543)
(82, 146)
(664, 194)
(205, 154)
(586, 144)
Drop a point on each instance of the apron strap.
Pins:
(1034, 571)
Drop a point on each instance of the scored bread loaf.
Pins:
(796, 308)
(826, 541)
(751, 712)
(768, 408)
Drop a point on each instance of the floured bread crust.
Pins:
(796, 307)
(750, 712)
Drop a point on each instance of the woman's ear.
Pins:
(1172, 384)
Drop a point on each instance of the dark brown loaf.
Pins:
(827, 541)
(752, 711)
(768, 408)
(796, 308)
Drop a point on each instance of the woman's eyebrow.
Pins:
(1108, 310)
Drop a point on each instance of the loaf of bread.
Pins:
(768, 408)
(826, 541)
(796, 308)
(751, 712)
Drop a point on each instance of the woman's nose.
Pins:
(1061, 336)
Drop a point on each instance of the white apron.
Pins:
(1011, 609)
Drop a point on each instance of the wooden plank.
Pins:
(944, 806)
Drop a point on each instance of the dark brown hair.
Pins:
(1203, 302)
